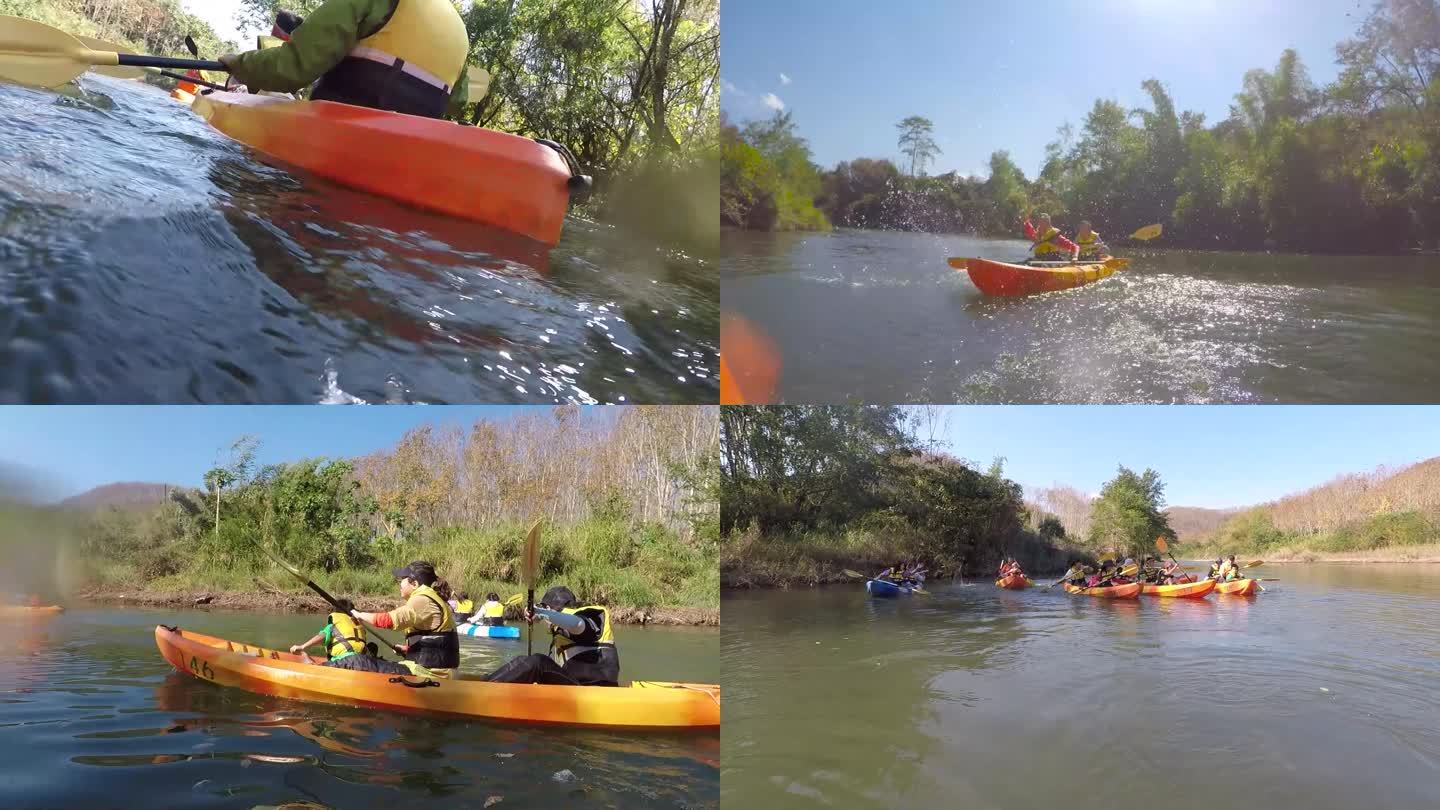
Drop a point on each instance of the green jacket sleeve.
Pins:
(314, 49)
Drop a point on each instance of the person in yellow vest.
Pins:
(492, 613)
(1092, 247)
(582, 646)
(464, 606)
(1227, 568)
(1049, 244)
(425, 619)
(343, 640)
(406, 56)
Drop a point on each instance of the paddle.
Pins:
(529, 568)
(1065, 577)
(317, 589)
(857, 575)
(115, 71)
(39, 55)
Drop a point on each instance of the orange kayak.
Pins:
(505, 181)
(27, 610)
(1003, 278)
(1014, 582)
(648, 705)
(1239, 587)
(1184, 590)
(1128, 591)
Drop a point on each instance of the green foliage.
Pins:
(811, 486)
(1254, 532)
(1129, 514)
(767, 180)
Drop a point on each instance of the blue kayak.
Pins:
(879, 587)
(488, 631)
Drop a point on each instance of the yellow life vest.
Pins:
(1089, 245)
(447, 623)
(492, 610)
(346, 639)
(1045, 245)
(466, 606)
(566, 645)
(427, 34)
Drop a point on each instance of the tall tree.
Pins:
(918, 143)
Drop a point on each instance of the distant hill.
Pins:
(1191, 522)
(124, 495)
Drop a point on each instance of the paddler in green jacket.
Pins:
(405, 56)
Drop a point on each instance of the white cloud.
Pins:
(772, 101)
(784, 80)
(726, 86)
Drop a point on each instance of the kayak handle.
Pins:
(579, 184)
(400, 679)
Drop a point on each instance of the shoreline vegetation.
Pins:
(640, 82)
(628, 498)
(808, 491)
(1350, 168)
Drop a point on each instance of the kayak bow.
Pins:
(1014, 582)
(879, 587)
(649, 705)
(502, 180)
(1127, 591)
(1239, 587)
(1004, 278)
(488, 631)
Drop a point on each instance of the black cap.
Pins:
(420, 571)
(558, 598)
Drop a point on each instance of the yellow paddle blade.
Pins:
(514, 601)
(530, 563)
(920, 591)
(117, 71)
(479, 83)
(853, 574)
(1129, 570)
(957, 262)
(1253, 564)
(1147, 232)
(39, 55)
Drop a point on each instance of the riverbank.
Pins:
(306, 602)
(1428, 553)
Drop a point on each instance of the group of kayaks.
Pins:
(1183, 590)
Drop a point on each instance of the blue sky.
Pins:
(76, 448)
(993, 75)
(1208, 455)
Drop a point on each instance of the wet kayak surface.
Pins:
(90, 711)
(145, 257)
(880, 317)
(984, 697)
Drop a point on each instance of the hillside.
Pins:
(124, 495)
(1194, 522)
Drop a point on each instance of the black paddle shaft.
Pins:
(141, 60)
(335, 604)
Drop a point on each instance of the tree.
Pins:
(917, 143)
(1129, 514)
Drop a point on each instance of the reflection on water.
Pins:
(90, 715)
(880, 317)
(981, 697)
(121, 210)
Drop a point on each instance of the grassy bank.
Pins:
(1388, 536)
(1426, 553)
(644, 573)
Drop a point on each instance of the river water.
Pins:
(144, 257)
(880, 317)
(1319, 693)
(91, 716)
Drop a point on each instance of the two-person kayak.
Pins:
(1014, 582)
(648, 705)
(488, 630)
(885, 588)
(1183, 590)
(1004, 278)
(1130, 590)
(506, 181)
(1238, 587)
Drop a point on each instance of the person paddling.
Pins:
(1049, 245)
(426, 619)
(343, 639)
(1092, 247)
(582, 644)
(492, 613)
(405, 56)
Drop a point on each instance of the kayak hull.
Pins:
(881, 588)
(477, 174)
(1014, 583)
(1238, 587)
(1128, 591)
(26, 610)
(647, 705)
(488, 631)
(1182, 590)
(1003, 278)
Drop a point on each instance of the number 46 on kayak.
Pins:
(373, 121)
